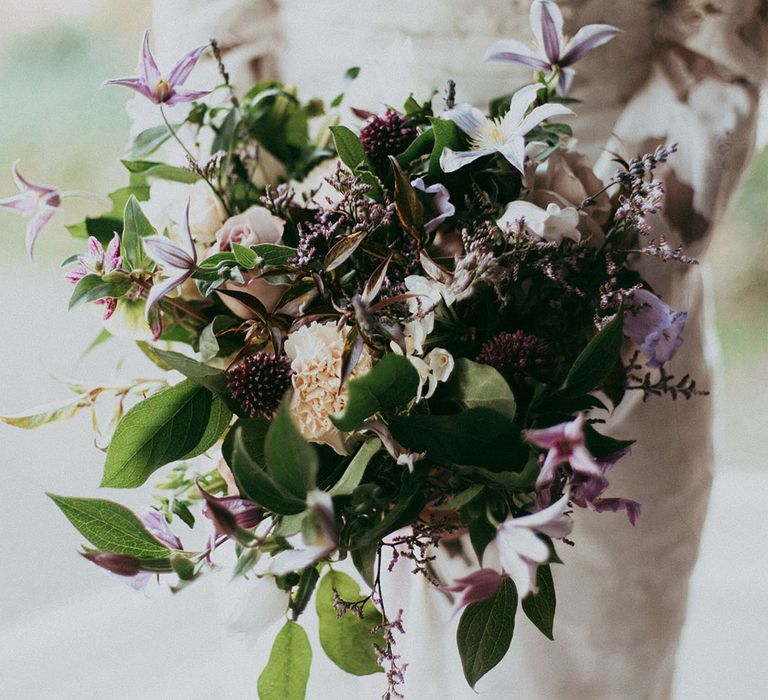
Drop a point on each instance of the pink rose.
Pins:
(255, 225)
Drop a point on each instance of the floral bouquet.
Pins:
(384, 339)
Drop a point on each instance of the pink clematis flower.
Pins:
(520, 548)
(565, 443)
(161, 90)
(553, 51)
(39, 202)
(179, 260)
(479, 585)
(99, 262)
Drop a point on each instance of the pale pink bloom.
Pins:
(100, 262)
(479, 585)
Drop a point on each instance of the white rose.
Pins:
(206, 213)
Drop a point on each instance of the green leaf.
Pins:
(343, 249)
(410, 210)
(226, 133)
(291, 460)
(347, 640)
(485, 632)
(50, 413)
(478, 437)
(596, 361)
(423, 144)
(148, 141)
(540, 608)
(218, 422)
(136, 226)
(474, 385)
(211, 378)
(162, 171)
(272, 254)
(391, 383)
(94, 287)
(104, 227)
(447, 135)
(304, 590)
(354, 473)
(348, 146)
(243, 451)
(110, 527)
(364, 560)
(287, 671)
(460, 500)
(245, 257)
(168, 426)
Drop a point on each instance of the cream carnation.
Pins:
(315, 352)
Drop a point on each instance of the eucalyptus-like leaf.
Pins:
(355, 471)
(473, 385)
(287, 671)
(210, 377)
(348, 146)
(161, 171)
(244, 256)
(540, 607)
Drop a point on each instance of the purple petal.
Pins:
(441, 202)
(546, 437)
(633, 508)
(468, 118)
(112, 259)
(95, 251)
(36, 225)
(186, 238)
(516, 52)
(480, 585)
(137, 84)
(120, 564)
(179, 95)
(23, 184)
(540, 114)
(184, 66)
(24, 203)
(661, 346)
(157, 526)
(158, 291)
(109, 304)
(147, 66)
(586, 39)
(654, 326)
(547, 27)
(168, 253)
(565, 80)
(450, 161)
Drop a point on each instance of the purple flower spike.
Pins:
(39, 202)
(478, 586)
(179, 261)
(654, 326)
(441, 203)
(565, 443)
(553, 51)
(154, 86)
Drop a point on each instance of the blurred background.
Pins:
(60, 620)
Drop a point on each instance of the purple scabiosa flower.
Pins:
(504, 135)
(230, 514)
(159, 89)
(99, 262)
(179, 260)
(518, 356)
(565, 445)
(39, 202)
(553, 51)
(386, 135)
(259, 382)
(520, 548)
(653, 326)
(479, 585)
(441, 204)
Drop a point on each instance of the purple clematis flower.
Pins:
(553, 51)
(441, 203)
(480, 585)
(231, 513)
(654, 326)
(39, 202)
(520, 548)
(99, 262)
(160, 90)
(505, 135)
(179, 260)
(565, 443)
(157, 526)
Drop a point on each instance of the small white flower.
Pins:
(552, 224)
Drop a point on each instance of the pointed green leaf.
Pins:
(446, 135)
(485, 632)
(347, 640)
(348, 146)
(354, 473)
(287, 671)
(291, 460)
(148, 141)
(245, 257)
(110, 527)
(540, 608)
(211, 378)
(597, 360)
(161, 171)
(135, 227)
(473, 384)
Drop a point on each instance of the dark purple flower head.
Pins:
(653, 326)
(259, 383)
(518, 355)
(386, 135)
(157, 88)
(553, 51)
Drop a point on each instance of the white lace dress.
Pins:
(683, 71)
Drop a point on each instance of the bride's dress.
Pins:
(683, 71)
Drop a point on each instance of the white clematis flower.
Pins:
(552, 224)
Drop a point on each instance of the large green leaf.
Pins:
(485, 632)
(287, 671)
(391, 383)
(135, 227)
(354, 472)
(211, 378)
(166, 427)
(291, 460)
(110, 527)
(597, 360)
(446, 135)
(347, 640)
(218, 422)
(540, 608)
(478, 437)
(162, 171)
(475, 385)
(348, 146)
